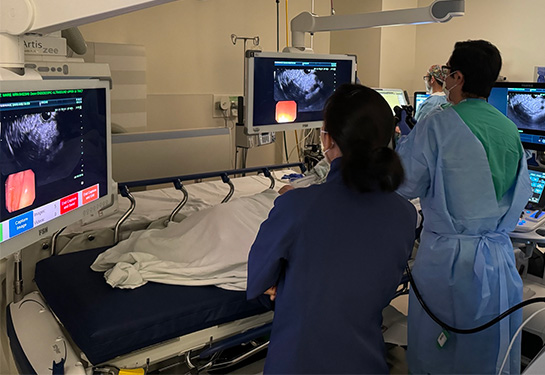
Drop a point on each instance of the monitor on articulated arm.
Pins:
(287, 91)
(55, 158)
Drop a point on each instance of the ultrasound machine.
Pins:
(524, 104)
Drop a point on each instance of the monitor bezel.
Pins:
(541, 203)
(415, 94)
(44, 231)
(403, 92)
(526, 85)
(249, 90)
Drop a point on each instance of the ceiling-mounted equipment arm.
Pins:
(18, 17)
(45, 16)
(438, 11)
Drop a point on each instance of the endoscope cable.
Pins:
(469, 330)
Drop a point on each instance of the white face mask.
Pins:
(428, 86)
(324, 152)
(447, 91)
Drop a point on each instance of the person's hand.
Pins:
(403, 119)
(285, 188)
(271, 292)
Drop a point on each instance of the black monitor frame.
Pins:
(532, 136)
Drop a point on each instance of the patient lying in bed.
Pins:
(210, 247)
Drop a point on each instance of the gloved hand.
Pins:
(404, 118)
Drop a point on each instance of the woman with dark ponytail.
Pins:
(331, 256)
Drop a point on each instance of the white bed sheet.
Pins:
(210, 247)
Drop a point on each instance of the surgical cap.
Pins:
(436, 72)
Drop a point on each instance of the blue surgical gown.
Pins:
(432, 101)
(465, 267)
(337, 257)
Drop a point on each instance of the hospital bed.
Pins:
(106, 328)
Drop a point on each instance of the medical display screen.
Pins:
(394, 97)
(537, 179)
(53, 155)
(419, 98)
(289, 91)
(524, 104)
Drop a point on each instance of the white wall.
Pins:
(190, 56)
(399, 56)
(385, 55)
(513, 26)
(364, 43)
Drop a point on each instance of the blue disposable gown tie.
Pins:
(465, 267)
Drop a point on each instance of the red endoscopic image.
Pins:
(20, 190)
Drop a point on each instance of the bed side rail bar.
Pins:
(123, 187)
(198, 176)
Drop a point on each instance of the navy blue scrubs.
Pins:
(337, 257)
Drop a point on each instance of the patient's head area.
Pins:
(360, 124)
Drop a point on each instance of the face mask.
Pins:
(428, 86)
(447, 91)
(324, 152)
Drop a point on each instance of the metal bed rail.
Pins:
(177, 181)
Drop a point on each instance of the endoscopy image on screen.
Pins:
(51, 146)
(526, 110)
(20, 190)
(308, 87)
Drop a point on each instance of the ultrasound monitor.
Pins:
(524, 104)
(537, 179)
(394, 97)
(419, 98)
(288, 91)
(55, 158)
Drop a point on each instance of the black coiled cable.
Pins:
(469, 330)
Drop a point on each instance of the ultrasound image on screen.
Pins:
(309, 88)
(34, 136)
(46, 142)
(55, 144)
(527, 110)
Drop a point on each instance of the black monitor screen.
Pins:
(419, 98)
(524, 104)
(53, 155)
(290, 91)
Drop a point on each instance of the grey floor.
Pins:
(395, 358)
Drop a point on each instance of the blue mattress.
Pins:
(105, 322)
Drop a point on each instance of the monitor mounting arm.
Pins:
(18, 17)
(438, 11)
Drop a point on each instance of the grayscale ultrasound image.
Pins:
(34, 137)
(527, 110)
(307, 87)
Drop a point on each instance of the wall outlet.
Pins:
(227, 103)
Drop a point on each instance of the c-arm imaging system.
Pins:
(18, 17)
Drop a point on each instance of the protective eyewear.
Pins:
(447, 70)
